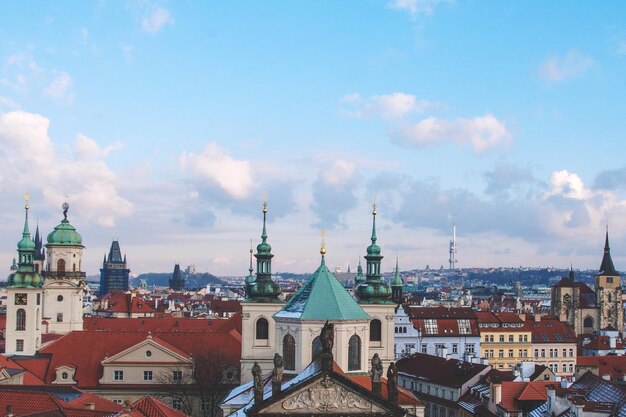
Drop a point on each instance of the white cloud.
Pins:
(388, 106)
(340, 172)
(214, 165)
(415, 7)
(155, 21)
(60, 88)
(572, 64)
(8, 103)
(569, 185)
(482, 133)
(28, 157)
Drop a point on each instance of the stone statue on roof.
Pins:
(279, 367)
(392, 383)
(257, 375)
(328, 337)
(377, 369)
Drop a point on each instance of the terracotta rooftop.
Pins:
(447, 372)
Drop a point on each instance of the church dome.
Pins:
(64, 235)
(24, 279)
(26, 244)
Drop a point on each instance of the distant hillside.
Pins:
(162, 279)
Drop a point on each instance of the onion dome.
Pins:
(24, 276)
(65, 234)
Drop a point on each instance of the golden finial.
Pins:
(26, 197)
(374, 204)
(323, 248)
(251, 250)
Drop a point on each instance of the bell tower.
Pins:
(24, 295)
(609, 291)
(64, 280)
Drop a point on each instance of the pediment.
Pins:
(149, 350)
(327, 395)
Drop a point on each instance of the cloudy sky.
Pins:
(165, 123)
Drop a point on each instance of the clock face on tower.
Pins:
(21, 299)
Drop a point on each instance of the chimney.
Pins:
(537, 318)
(496, 393)
(522, 316)
(606, 377)
(8, 412)
(90, 406)
(612, 342)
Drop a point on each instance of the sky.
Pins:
(164, 124)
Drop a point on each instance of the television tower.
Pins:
(453, 249)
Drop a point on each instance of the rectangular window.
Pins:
(609, 280)
(491, 338)
(520, 338)
(59, 317)
(424, 348)
(147, 375)
(511, 338)
(205, 405)
(543, 353)
(564, 367)
(571, 367)
(501, 353)
(502, 338)
(118, 401)
(19, 345)
(177, 376)
(177, 404)
(510, 353)
(571, 353)
(464, 326)
(525, 338)
(430, 326)
(564, 353)
(469, 348)
(118, 375)
(38, 299)
(455, 348)
(536, 353)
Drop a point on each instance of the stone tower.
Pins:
(114, 273)
(609, 291)
(24, 300)
(177, 282)
(64, 280)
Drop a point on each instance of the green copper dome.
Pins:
(65, 234)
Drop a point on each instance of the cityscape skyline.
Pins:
(197, 110)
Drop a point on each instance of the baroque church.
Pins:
(45, 291)
(588, 310)
(362, 328)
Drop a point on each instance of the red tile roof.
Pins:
(442, 371)
(150, 407)
(173, 324)
(513, 392)
(87, 349)
(550, 330)
(405, 397)
(615, 366)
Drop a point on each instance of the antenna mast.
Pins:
(453, 249)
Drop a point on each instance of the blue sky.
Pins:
(166, 122)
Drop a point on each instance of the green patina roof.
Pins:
(322, 298)
(65, 235)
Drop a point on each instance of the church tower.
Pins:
(375, 299)
(64, 281)
(114, 273)
(40, 253)
(177, 282)
(609, 291)
(396, 286)
(24, 294)
(261, 303)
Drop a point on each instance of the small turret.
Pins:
(396, 286)
(25, 275)
(359, 279)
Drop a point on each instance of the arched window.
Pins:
(73, 267)
(375, 330)
(289, 352)
(262, 329)
(38, 320)
(354, 353)
(61, 265)
(316, 348)
(588, 322)
(20, 323)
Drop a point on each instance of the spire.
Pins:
(323, 247)
(606, 267)
(571, 271)
(25, 275)
(264, 289)
(374, 290)
(359, 278)
(397, 281)
(250, 278)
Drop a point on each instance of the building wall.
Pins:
(386, 313)
(253, 350)
(31, 335)
(63, 305)
(555, 356)
(505, 348)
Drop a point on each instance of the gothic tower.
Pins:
(64, 281)
(257, 310)
(375, 299)
(177, 282)
(114, 273)
(24, 298)
(609, 291)
(40, 253)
